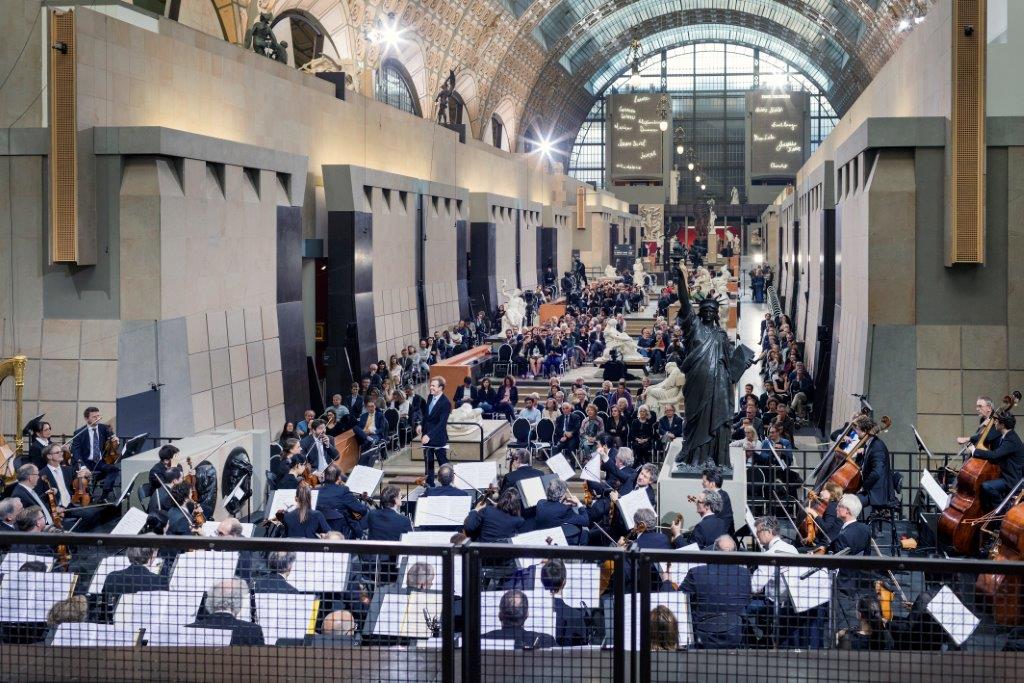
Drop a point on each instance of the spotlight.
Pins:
(679, 149)
(634, 78)
(689, 166)
(387, 32)
(758, 258)
(545, 147)
(703, 187)
(696, 178)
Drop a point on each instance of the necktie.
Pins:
(65, 496)
(320, 452)
(433, 401)
(94, 444)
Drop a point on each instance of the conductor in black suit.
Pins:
(136, 577)
(433, 431)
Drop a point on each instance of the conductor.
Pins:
(433, 431)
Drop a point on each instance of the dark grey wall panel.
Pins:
(289, 254)
(462, 267)
(482, 285)
(351, 330)
(292, 342)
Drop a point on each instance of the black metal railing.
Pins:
(401, 610)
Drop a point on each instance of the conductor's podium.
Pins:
(480, 443)
(473, 363)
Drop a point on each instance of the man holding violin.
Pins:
(318, 447)
(60, 478)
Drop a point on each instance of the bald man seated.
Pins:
(338, 630)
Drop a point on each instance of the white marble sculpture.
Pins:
(515, 309)
(734, 196)
(638, 272)
(609, 271)
(667, 392)
(621, 342)
(464, 413)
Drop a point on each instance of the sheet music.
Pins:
(427, 538)
(131, 524)
(12, 562)
(209, 529)
(284, 499)
(538, 537)
(934, 490)
(807, 593)
(28, 596)
(478, 475)
(958, 621)
(178, 636)
(127, 489)
(677, 571)
(592, 470)
(200, 570)
(320, 572)
(582, 584)
(633, 501)
(540, 611)
(401, 614)
(94, 635)
(113, 564)
(560, 466)
(363, 479)
(677, 603)
(449, 511)
(285, 615)
(153, 609)
(434, 561)
(532, 491)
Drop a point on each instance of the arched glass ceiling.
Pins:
(711, 33)
(611, 18)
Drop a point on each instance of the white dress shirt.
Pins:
(65, 496)
(764, 576)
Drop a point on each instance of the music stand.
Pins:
(32, 426)
(133, 445)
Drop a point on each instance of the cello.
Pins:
(959, 521)
(1005, 592)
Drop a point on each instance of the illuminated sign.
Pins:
(636, 141)
(777, 129)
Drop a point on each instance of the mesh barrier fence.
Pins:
(91, 607)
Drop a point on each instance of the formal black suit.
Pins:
(35, 453)
(22, 493)
(726, 513)
(445, 490)
(273, 583)
(567, 426)
(705, 533)
(338, 505)
(718, 598)
(80, 446)
(491, 525)
(675, 426)
(387, 525)
(573, 521)
(330, 453)
(47, 480)
(133, 579)
(517, 475)
(571, 626)
(435, 428)
(521, 637)
(178, 523)
(1009, 456)
(877, 486)
(314, 525)
(856, 537)
(242, 632)
(354, 404)
(471, 392)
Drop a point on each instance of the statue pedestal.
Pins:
(459, 128)
(675, 486)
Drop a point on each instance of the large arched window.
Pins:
(394, 87)
(707, 83)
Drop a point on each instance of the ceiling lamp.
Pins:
(679, 150)
(689, 166)
(696, 179)
(386, 32)
(703, 187)
(633, 57)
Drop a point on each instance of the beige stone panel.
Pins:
(30, 337)
(236, 327)
(272, 355)
(198, 336)
(239, 363)
(216, 323)
(938, 346)
(62, 338)
(1017, 380)
(269, 319)
(223, 408)
(99, 339)
(984, 347)
(261, 420)
(257, 363)
(938, 391)
(253, 324)
(98, 381)
(58, 380)
(258, 393)
(220, 367)
(275, 389)
(940, 431)
(970, 426)
(977, 383)
(202, 411)
(277, 419)
(199, 371)
(244, 422)
(63, 416)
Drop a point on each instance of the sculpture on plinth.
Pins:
(465, 413)
(261, 39)
(711, 365)
(609, 271)
(734, 196)
(515, 309)
(638, 272)
(668, 392)
(621, 342)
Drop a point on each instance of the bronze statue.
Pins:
(262, 40)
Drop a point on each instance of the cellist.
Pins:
(983, 406)
(877, 484)
(1008, 455)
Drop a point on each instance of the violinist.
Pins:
(87, 445)
(496, 523)
(519, 468)
(26, 491)
(59, 477)
(386, 523)
(719, 594)
(344, 512)
(1008, 455)
(766, 530)
(180, 522)
(984, 407)
(645, 535)
(617, 463)
(318, 447)
(710, 526)
(878, 486)
(161, 499)
(711, 479)
(296, 469)
(445, 484)
(856, 537)
(165, 457)
(303, 521)
(827, 521)
(562, 509)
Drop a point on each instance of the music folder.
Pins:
(442, 511)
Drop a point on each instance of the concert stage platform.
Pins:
(476, 446)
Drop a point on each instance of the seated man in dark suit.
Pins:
(371, 430)
(466, 392)
(512, 613)
(9, 509)
(136, 577)
(1008, 455)
(344, 512)
(719, 594)
(445, 484)
(386, 523)
(164, 459)
(225, 602)
(280, 565)
(670, 426)
(519, 468)
(339, 629)
(562, 509)
(567, 431)
(710, 526)
(57, 477)
(571, 622)
(161, 501)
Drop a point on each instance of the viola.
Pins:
(198, 517)
(111, 452)
(80, 490)
(190, 479)
(62, 552)
(808, 527)
(1006, 593)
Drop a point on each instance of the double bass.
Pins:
(959, 521)
(1005, 592)
(847, 475)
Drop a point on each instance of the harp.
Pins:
(13, 367)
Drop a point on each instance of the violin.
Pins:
(847, 475)
(111, 452)
(310, 477)
(809, 526)
(198, 517)
(63, 554)
(1006, 593)
(959, 521)
(80, 489)
(886, 592)
(190, 479)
